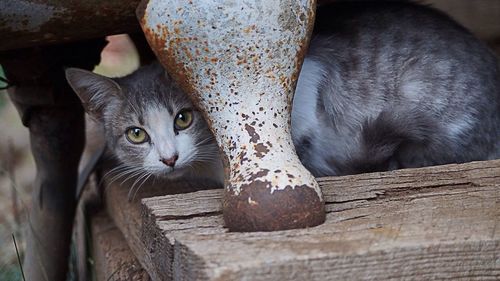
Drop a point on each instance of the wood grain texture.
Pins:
(429, 223)
(123, 206)
(113, 259)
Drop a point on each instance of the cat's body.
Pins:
(383, 86)
(394, 85)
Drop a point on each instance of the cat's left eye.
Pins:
(136, 135)
(183, 119)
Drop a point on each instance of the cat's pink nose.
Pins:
(170, 161)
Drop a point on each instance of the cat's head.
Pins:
(150, 124)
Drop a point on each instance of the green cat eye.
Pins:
(183, 119)
(136, 135)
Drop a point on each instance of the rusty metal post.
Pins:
(239, 61)
(55, 118)
(28, 23)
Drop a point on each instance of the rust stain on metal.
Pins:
(242, 157)
(260, 174)
(167, 57)
(292, 207)
(260, 150)
(254, 136)
(40, 22)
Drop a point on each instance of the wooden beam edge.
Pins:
(183, 223)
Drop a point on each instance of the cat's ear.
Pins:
(94, 90)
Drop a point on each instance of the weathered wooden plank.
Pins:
(113, 259)
(123, 207)
(429, 223)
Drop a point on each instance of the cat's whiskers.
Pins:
(192, 168)
(120, 166)
(208, 140)
(145, 179)
(196, 166)
(206, 156)
(205, 151)
(115, 173)
(139, 177)
(122, 174)
(132, 175)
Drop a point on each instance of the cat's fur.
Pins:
(384, 85)
(389, 85)
(147, 99)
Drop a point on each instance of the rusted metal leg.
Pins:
(55, 118)
(240, 63)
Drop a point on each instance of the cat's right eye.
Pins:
(183, 119)
(136, 135)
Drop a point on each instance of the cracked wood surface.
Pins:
(124, 209)
(429, 223)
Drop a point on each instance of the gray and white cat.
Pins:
(150, 126)
(384, 85)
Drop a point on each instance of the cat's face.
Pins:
(150, 125)
(162, 140)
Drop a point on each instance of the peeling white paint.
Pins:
(240, 61)
(252, 202)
